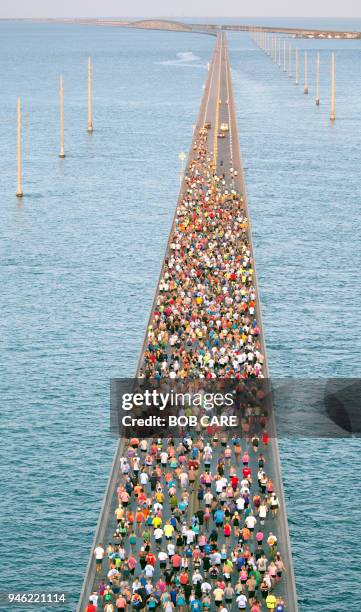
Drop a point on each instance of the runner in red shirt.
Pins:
(150, 558)
(176, 561)
(246, 472)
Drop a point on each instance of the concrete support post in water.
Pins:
(332, 114)
(90, 110)
(61, 100)
(275, 50)
(279, 52)
(318, 79)
(19, 191)
(290, 61)
(297, 67)
(306, 73)
(284, 56)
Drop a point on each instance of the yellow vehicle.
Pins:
(224, 127)
(208, 125)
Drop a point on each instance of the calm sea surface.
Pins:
(80, 256)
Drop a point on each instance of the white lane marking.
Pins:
(210, 83)
(217, 110)
(228, 98)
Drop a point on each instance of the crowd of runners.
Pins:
(195, 521)
(204, 322)
(192, 529)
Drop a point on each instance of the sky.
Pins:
(179, 8)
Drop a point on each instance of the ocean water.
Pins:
(80, 256)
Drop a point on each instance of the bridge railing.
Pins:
(103, 520)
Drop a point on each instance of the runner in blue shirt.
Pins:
(196, 605)
(219, 517)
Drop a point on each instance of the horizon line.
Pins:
(180, 17)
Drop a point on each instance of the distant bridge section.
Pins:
(161, 24)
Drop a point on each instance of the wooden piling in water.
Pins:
(284, 56)
(290, 61)
(90, 106)
(306, 74)
(297, 80)
(318, 79)
(332, 114)
(61, 102)
(19, 191)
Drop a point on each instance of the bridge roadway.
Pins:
(217, 106)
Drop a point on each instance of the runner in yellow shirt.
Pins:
(157, 521)
(271, 601)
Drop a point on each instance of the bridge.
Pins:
(161, 24)
(207, 28)
(215, 162)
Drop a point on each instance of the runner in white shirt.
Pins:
(220, 484)
(99, 553)
(158, 534)
(170, 549)
(164, 458)
(190, 536)
(208, 498)
(197, 577)
(205, 587)
(240, 503)
(183, 478)
(251, 522)
(162, 558)
(143, 445)
(149, 570)
(94, 597)
(241, 602)
(143, 478)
